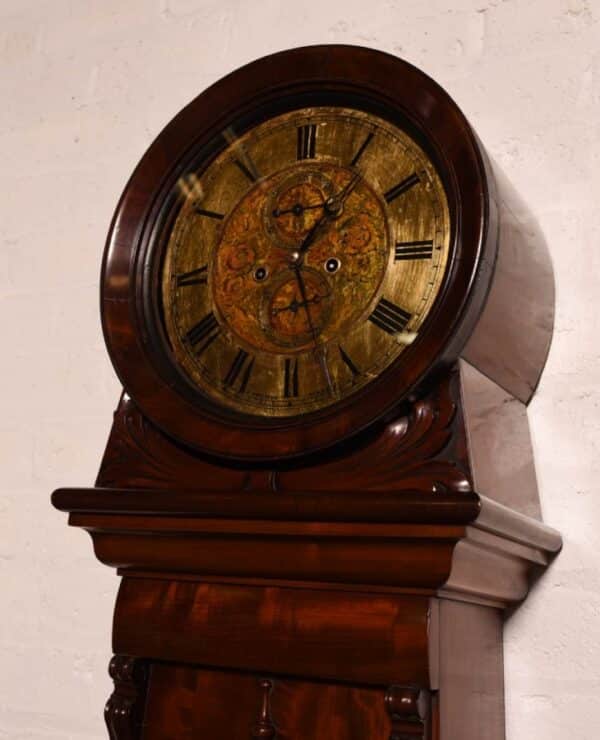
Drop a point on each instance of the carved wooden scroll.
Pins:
(422, 450)
(408, 708)
(124, 709)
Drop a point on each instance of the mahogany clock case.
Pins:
(358, 589)
(332, 75)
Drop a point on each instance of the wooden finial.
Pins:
(264, 729)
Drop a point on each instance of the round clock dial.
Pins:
(302, 261)
(302, 247)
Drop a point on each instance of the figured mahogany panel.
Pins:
(194, 703)
(317, 710)
(315, 555)
(445, 543)
(360, 637)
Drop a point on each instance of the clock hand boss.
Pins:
(297, 209)
(333, 207)
(334, 204)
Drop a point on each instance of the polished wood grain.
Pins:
(406, 507)
(403, 540)
(376, 585)
(278, 629)
(192, 703)
(388, 589)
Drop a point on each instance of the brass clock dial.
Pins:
(303, 260)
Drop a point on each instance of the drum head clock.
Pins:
(300, 248)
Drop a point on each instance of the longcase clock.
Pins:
(328, 318)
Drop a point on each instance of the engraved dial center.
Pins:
(268, 281)
(300, 262)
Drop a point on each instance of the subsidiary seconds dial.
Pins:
(302, 260)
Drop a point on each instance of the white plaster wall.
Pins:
(85, 85)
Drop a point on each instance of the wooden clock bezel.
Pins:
(375, 81)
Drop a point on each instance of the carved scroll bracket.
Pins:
(424, 449)
(124, 709)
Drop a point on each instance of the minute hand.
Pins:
(332, 207)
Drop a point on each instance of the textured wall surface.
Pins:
(85, 86)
